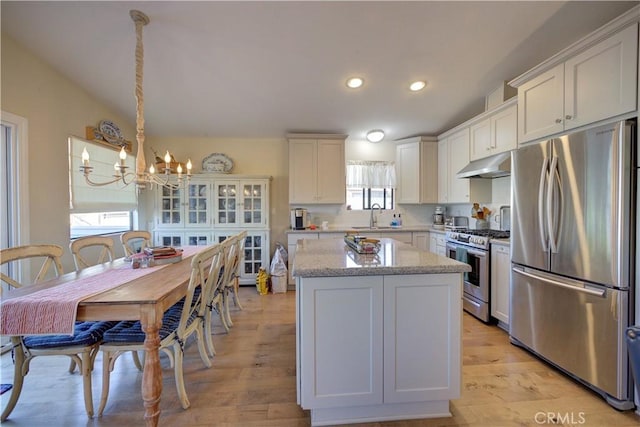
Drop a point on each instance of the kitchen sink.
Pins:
(366, 227)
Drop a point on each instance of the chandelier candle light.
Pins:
(141, 178)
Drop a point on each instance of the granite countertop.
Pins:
(342, 229)
(505, 242)
(332, 257)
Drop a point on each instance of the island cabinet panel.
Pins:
(341, 346)
(422, 344)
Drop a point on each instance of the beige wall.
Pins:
(55, 108)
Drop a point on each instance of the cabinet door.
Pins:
(168, 238)
(601, 82)
(170, 207)
(341, 341)
(254, 256)
(504, 130)
(500, 279)
(443, 171)
(422, 335)
(480, 140)
(194, 238)
(458, 159)
(197, 210)
(421, 241)
(303, 171)
(433, 243)
(331, 170)
(540, 105)
(292, 241)
(253, 203)
(226, 207)
(408, 161)
(429, 172)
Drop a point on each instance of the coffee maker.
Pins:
(298, 219)
(438, 218)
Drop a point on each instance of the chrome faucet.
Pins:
(373, 221)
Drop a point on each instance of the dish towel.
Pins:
(461, 255)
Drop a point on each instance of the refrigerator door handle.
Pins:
(542, 184)
(597, 293)
(551, 218)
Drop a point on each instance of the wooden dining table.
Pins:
(144, 298)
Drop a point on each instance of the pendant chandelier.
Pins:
(140, 177)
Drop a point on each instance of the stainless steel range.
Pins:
(472, 247)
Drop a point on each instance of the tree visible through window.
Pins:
(363, 198)
(370, 182)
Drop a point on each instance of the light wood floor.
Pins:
(252, 383)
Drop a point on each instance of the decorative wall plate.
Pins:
(110, 131)
(217, 162)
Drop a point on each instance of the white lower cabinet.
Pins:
(292, 240)
(378, 347)
(500, 279)
(420, 240)
(255, 255)
(438, 244)
(341, 346)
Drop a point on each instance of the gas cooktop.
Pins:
(492, 234)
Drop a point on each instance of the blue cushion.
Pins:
(86, 333)
(131, 331)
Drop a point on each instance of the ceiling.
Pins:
(262, 69)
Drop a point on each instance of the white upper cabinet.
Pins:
(589, 84)
(541, 106)
(184, 207)
(601, 81)
(495, 131)
(317, 169)
(453, 155)
(417, 170)
(242, 203)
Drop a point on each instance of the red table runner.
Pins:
(53, 310)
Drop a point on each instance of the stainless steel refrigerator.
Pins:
(573, 244)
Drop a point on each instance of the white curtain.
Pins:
(370, 174)
(85, 198)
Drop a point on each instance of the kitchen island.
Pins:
(378, 336)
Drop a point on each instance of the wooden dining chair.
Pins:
(213, 299)
(233, 259)
(135, 241)
(81, 347)
(178, 323)
(80, 247)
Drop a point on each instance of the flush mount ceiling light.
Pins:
(417, 85)
(375, 135)
(355, 82)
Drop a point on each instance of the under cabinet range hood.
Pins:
(490, 167)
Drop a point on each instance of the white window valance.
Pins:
(109, 198)
(371, 174)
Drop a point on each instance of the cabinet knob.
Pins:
(568, 117)
(558, 120)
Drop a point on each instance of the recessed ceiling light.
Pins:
(355, 82)
(417, 85)
(375, 135)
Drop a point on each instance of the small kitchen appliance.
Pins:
(456, 223)
(438, 218)
(298, 218)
